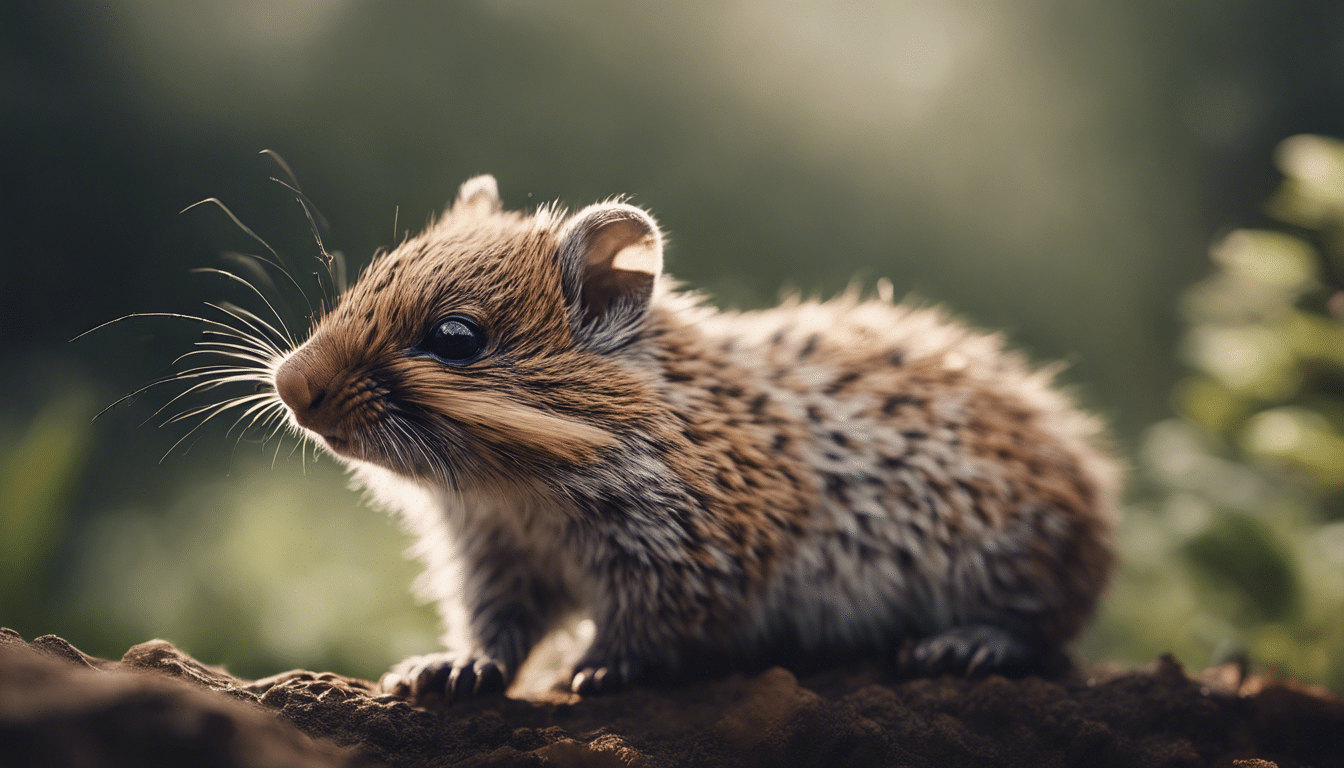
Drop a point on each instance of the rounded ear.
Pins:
(480, 194)
(611, 254)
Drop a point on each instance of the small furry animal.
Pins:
(565, 431)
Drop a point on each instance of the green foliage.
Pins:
(262, 570)
(37, 472)
(1244, 547)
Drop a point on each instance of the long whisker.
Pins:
(261, 338)
(280, 422)
(250, 260)
(221, 409)
(312, 224)
(294, 179)
(256, 237)
(235, 220)
(216, 408)
(176, 315)
(249, 314)
(128, 396)
(202, 386)
(235, 351)
(287, 335)
(258, 409)
(251, 342)
(190, 373)
(253, 322)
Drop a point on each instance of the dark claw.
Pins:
(461, 683)
(439, 679)
(431, 681)
(596, 680)
(489, 679)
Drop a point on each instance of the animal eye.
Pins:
(456, 340)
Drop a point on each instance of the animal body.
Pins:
(564, 431)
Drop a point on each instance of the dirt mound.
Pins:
(159, 706)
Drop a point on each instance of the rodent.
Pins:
(565, 430)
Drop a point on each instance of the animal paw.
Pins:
(971, 651)
(596, 677)
(440, 678)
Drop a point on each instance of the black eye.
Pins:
(456, 340)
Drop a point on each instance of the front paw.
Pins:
(441, 678)
(595, 676)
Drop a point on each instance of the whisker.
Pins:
(294, 179)
(234, 351)
(287, 336)
(230, 403)
(252, 343)
(312, 224)
(190, 373)
(280, 161)
(257, 237)
(176, 315)
(276, 457)
(221, 409)
(250, 259)
(255, 411)
(235, 220)
(259, 408)
(341, 281)
(280, 422)
(228, 309)
(202, 386)
(253, 321)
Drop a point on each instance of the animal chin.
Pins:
(338, 445)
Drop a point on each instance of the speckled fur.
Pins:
(713, 488)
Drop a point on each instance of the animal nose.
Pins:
(293, 386)
(304, 392)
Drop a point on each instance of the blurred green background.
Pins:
(1056, 169)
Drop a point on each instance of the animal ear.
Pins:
(480, 194)
(611, 255)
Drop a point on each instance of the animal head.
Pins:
(490, 348)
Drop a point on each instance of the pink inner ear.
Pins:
(611, 238)
(643, 257)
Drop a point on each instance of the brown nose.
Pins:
(305, 393)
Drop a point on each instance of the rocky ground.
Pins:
(158, 706)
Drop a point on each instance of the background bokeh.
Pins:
(1057, 169)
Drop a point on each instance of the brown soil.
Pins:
(158, 706)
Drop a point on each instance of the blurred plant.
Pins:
(1244, 550)
(261, 571)
(37, 470)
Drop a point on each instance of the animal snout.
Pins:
(305, 391)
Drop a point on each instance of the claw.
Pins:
(440, 679)
(604, 679)
(489, 679)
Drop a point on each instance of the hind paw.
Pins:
(972, 651)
